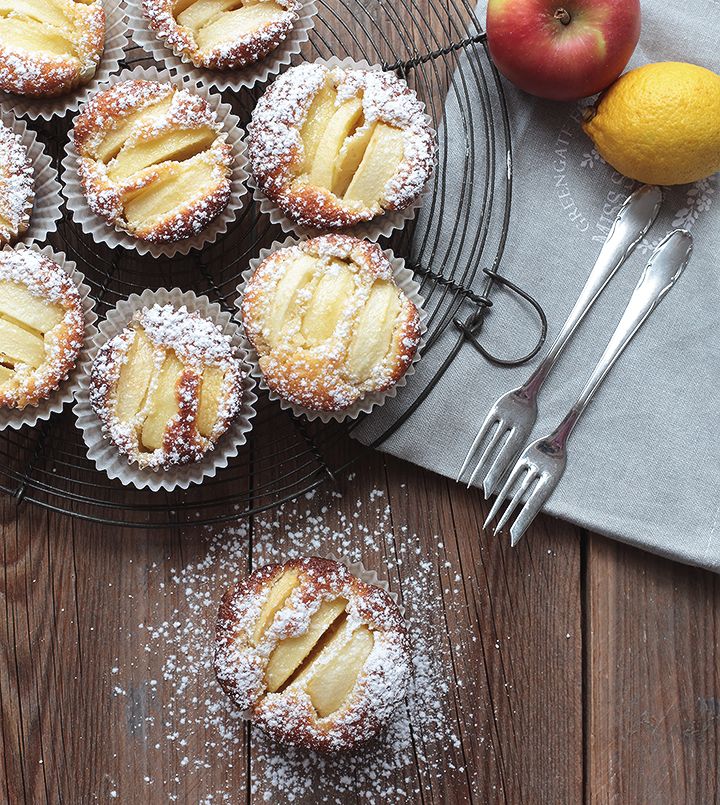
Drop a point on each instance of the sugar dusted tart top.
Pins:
(316, 657)
(153, 159)
(17, 187)
(329, 323)
(42, 327)
(334, 147)
(49, 47)
(167, 387)
(222, 34)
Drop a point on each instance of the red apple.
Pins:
(562, 49)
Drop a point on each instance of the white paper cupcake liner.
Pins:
(113, 236)
(47, 201)
(30, 415)
(371, 577)
(47, 108)
(405, 280)
(380, 226)
(106, 455)
(222, 79)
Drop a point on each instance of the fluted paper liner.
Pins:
(30, 415)
(405, 280)
(46, 188)
(47, 108)
(113, 236)
(106, 455)
(234, 80)
(380, 226)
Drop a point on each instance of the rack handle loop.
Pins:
(473, 325)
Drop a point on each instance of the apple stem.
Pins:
(588, 113)
(564, 16)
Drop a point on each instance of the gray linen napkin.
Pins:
(644, 463)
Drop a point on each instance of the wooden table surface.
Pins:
(577, 670)
(568, 670)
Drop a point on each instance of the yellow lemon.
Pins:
(660, 124)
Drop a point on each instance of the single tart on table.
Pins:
(49, 47)
(335, 147)
(17, 187)
(166, 388)
(315, 656)
(221, 34)
(42, 327)
(329, 323)
(153, 160)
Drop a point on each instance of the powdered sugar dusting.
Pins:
(317, 376)
(276, 150)
(175, 657)
(16, 186)
(46, 280)
(232, 53)
(108, 194)
(40, 72)
(198, 343)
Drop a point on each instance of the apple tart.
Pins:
(153, 160)
(166, 388)
(315, 656)
(48, 47)
(17, 187)
(334, 147)
(221, 34)
(42, 327)
(329, 323)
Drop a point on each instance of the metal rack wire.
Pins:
(423, 40)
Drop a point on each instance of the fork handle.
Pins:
(664, 269)
(636, 216)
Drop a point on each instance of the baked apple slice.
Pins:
(135, 376)
(379, 165)
(341, 126)
(16, 302)
(20, 346)
(328, 301)
(289, 653)
(171, 146)
(317, 120)
(334, 673)
(233, 25)
(163, 404)
(114, 140)
(373, 331)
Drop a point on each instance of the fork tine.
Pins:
(484, 428)
(504, 460)
(540, 494)
(518, 470)
(529, 478)
(487, 452)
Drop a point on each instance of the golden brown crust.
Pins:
(17, 187)
(181, 111)
(233, 54)
(39, 73)
(198, 344)
(46, 280)
(277, 152)
(315, 374)
(288, 715)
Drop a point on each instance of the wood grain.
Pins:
(653, 679)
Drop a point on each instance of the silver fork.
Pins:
(514, 414)
(542, 464)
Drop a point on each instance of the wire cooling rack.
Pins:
(424, 41)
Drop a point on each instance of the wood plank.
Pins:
(653, 679)
(512, 625)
